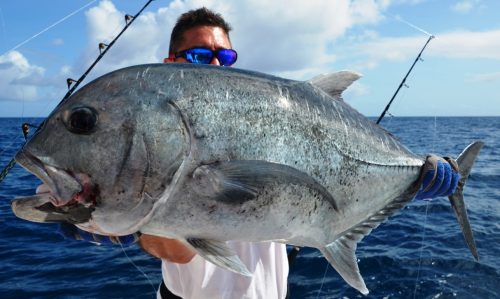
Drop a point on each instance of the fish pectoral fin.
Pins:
(342, 256)
(335, 83)
(238, 181)
(219, 254)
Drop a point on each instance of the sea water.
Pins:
(418, 253)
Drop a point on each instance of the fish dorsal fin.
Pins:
(219, 254)
(335, 83)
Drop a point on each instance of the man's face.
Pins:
(204, 36)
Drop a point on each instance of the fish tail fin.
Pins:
(465, 162)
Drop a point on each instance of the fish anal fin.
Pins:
(342, 256)
(219, 254)
(342, 252)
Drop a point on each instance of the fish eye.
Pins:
(81, 120)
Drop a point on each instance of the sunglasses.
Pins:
(200, 55)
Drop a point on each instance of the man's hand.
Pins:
(440, 178)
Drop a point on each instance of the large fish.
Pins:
(208, 154)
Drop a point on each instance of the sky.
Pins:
(44, 42)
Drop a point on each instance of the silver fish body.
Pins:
(294, 124)
(208, 154)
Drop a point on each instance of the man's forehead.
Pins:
(205, 36)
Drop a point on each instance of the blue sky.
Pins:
(460, 74)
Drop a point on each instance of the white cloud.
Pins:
(258, 36)
(18, 78)
(58, 42)
(465, 6)
(260, 40)
(483, 78)
(293, 39)
(368, 54)
(409, 2)
(146, 41)
(468, 44)
(455, 45)
(355, 90)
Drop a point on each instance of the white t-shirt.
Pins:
(199, 278)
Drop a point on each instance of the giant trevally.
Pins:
(207, 154)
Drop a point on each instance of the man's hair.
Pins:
(194, 18)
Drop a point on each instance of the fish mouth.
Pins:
(64, 195)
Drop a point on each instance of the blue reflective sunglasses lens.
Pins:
(199, 55)
(227, 56)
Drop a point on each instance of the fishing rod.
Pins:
(103, 49)
(404, 79)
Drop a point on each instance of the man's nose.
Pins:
(215, 61)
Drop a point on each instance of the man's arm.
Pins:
(164, 248)
(171, 250)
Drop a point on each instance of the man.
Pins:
(201, 36)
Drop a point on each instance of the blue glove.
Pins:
(71, 232)
(440, 178)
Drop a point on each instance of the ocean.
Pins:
(417, 253)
